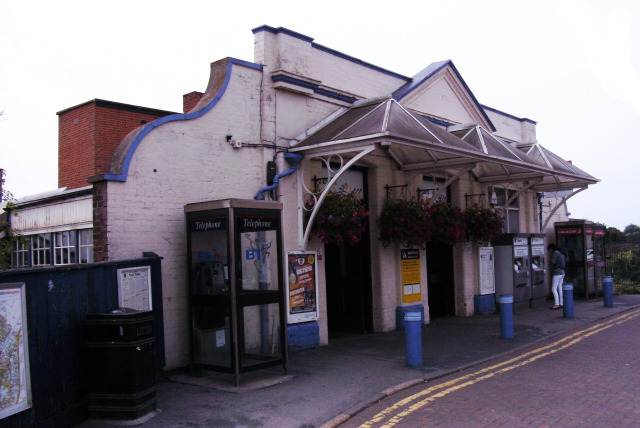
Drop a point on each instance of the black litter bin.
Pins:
(121, 364)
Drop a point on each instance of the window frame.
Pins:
(502, 195)
(62, 248)
(20, 254)
(65, 247)
(41, 252)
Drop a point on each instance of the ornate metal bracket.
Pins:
(330, 160)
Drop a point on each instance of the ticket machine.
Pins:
(236, 292)
(512, 268)
(538, 277)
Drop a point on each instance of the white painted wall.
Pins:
(180, 163)
(190, 161)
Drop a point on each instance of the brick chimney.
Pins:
(89, 133)
(190, 100)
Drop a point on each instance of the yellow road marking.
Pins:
(488, 372)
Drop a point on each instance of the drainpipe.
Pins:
(540, 212)
(293, 159)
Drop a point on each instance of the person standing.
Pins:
(557, 275)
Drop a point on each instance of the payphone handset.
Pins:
(212, 278)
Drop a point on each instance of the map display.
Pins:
(15, 388)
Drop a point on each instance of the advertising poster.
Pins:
(302, 293)
(15, 385)
(411, 285)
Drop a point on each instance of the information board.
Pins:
(411, 276)
(134, 288)
(487, 273)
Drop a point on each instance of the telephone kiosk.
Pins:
(236, 293)
(538, 277)
(512, 268)
(582, 243)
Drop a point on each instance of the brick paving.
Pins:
(592, 383)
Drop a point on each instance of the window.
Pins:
(429, 188)
(85, 243)
(64, 247)
(512, 212)
(41, 249)
(20, 253)
(58, 248)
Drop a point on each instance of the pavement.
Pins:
(324, 387)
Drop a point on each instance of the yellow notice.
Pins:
(411, 285)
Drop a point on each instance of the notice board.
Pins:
(487, 274)
(411, 275)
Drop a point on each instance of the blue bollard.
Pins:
(607, 291)
(567, 298)
(506, 316)
(413, 337)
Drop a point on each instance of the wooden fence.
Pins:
(58, 299)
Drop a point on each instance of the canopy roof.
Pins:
(566, 175)
(416, 144)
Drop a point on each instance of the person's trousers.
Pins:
(556, 289)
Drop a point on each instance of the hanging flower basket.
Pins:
(342, 217)
(406, 222)
(449, 225)
(482, 224)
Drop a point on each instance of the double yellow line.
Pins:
(392, 415)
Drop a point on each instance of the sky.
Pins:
(573, 66)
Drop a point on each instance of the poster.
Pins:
(487, 273)
(15, 385)
(411, 281)
(134, 288)
(302, 292)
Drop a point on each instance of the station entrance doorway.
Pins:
(440, 280)
(348, 275)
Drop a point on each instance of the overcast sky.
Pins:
(573, 66)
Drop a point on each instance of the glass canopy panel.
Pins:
(332, 130)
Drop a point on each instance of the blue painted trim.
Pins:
(484, 304)
(308, 39)
(294, 81)
(303, 336)
(176, 117)
(298, 82)
(282, 30)
(438, 122)
(521, 119)
(336, 96)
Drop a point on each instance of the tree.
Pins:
(632, 233)
(613, 234)
(7, 235)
